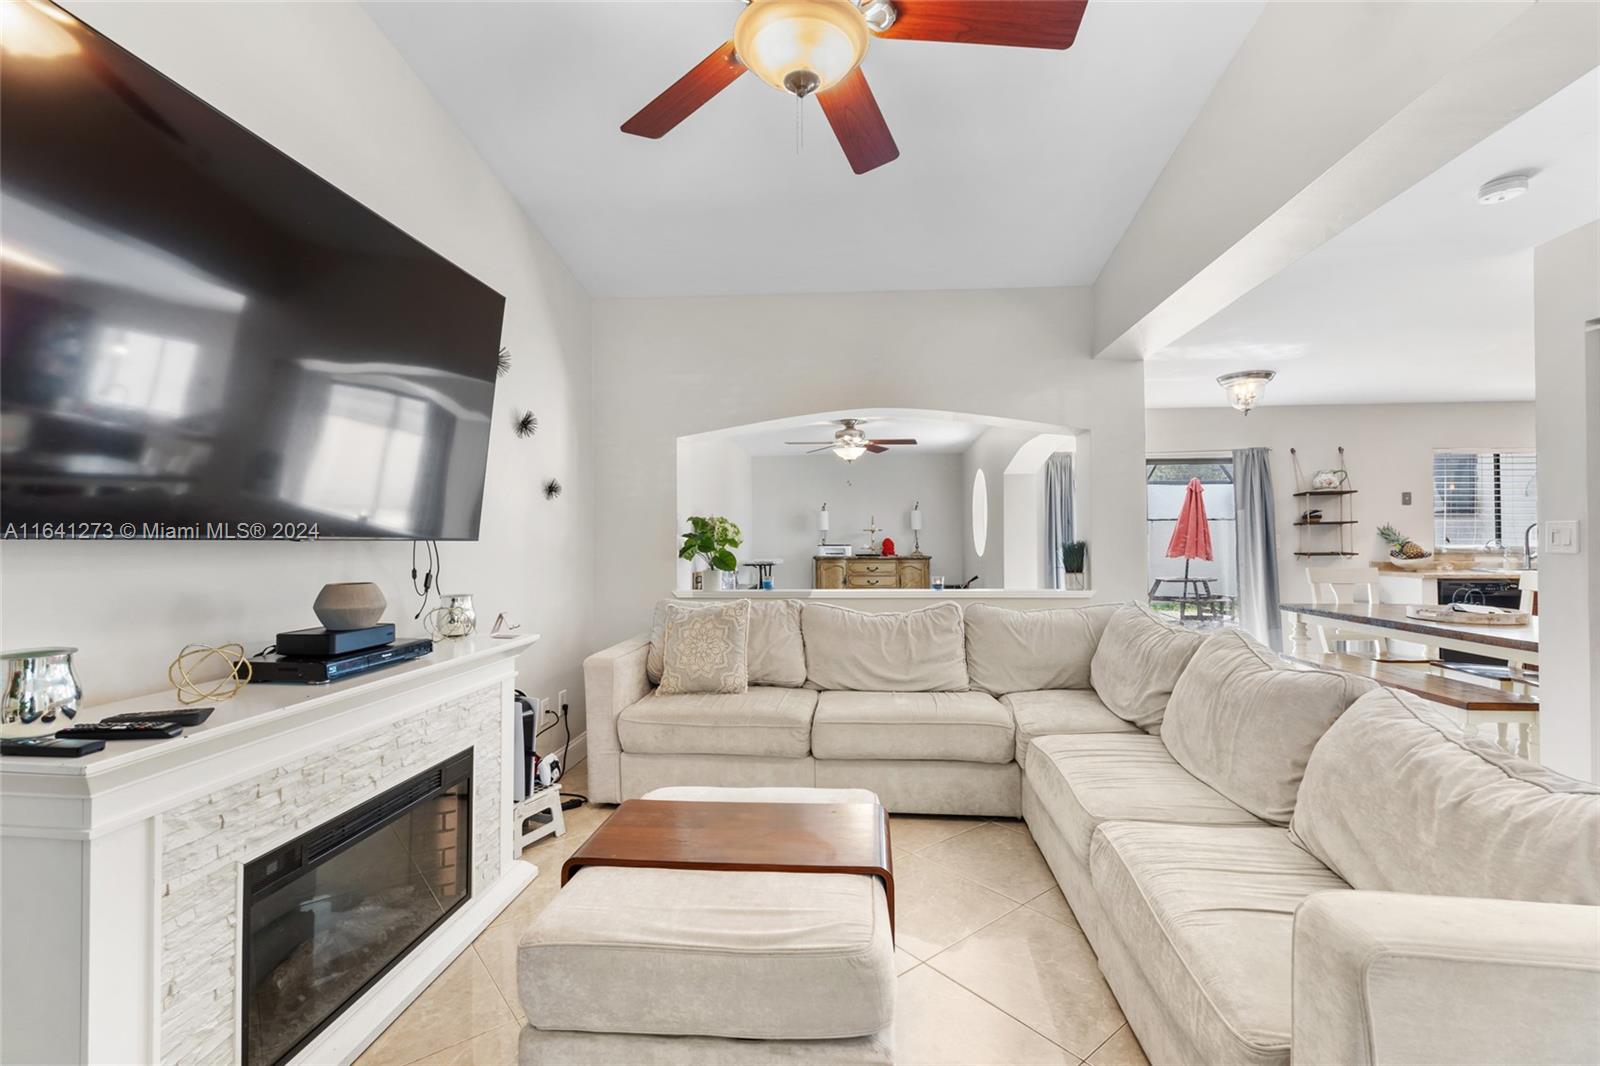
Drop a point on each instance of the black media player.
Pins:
(309, 670)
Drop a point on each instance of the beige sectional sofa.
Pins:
(1269, 862)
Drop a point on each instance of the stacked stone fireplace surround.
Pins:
(206, 842)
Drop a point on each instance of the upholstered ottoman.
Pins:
(657, 966)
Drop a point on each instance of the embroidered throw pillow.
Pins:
(706, 648)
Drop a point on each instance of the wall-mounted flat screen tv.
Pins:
(201, 337)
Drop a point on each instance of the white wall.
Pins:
(992, 453)
(789, 490)
(321, 82)
(1388, 450)
(714, 480)
(670, 368)
(1566, 287)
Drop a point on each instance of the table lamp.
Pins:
(822, 525)
(916, 528)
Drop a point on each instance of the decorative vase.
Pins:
(350, 605)
(41, 691)
(454, 618)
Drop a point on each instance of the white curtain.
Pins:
(1058, 515)
(1256, 537)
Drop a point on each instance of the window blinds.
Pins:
(1483, 497)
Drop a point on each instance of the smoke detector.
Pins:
(1500, 190)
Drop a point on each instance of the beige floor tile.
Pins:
(1041, 972)
(1016, 825)
(939, 1022)
(935, 907)
(995, 858)
(1053, 903)
(497, 1047)
(497, 947)
(1121, 1050)
(533, 897)
(462, 1003)
(904, 960)
(913, 832)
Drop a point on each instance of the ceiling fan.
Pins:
(807, 47)
(850, 442)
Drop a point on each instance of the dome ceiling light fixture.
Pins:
(815, 48)
(1244, 387)
(1503, 189)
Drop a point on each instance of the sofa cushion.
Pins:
(758, 721)
(764, 955)
(897, 651)
(1089, 778)
(1397, 798)
(964, 726)
(1137, 662)
(776, 654)
(1209, 913)
(1062, 710)
(1019, 651)
(1244, 721)
(706, 650)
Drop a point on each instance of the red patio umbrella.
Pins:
(1192, 537)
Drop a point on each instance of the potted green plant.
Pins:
(1074, 558)
(712, 540)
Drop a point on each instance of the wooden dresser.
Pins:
(871, 572)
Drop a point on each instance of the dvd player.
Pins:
(319, 671)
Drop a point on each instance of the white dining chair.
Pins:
(1343, 586)
(1528, 585)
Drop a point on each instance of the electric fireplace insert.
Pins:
(329, 913)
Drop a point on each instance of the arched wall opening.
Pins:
(775, 491)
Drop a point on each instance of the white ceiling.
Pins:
(1018, 167)
(1428, 299)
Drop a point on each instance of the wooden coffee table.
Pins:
(820, 838)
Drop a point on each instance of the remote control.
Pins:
(121, 731)
(50, 747)
(177, 716)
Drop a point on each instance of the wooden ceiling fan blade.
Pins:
(876, 449)
(688, 94)
(894, 440)
(853, 113)
(1014, 23)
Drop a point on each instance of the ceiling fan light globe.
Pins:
(849, 452)
(801, 44)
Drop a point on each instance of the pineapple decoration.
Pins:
(1400, 545)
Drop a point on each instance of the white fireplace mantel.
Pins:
(89, 881)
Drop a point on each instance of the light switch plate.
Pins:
(1405, 499)
(1561, 538)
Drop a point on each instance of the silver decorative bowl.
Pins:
(41, 692)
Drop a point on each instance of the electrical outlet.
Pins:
(1405, 499)
(561, 700)
(546, 712)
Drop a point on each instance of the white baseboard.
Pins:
(350, 1034)
(578, 750)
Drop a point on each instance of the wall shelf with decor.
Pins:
(1325, 490)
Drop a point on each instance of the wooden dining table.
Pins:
(1518, 645)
